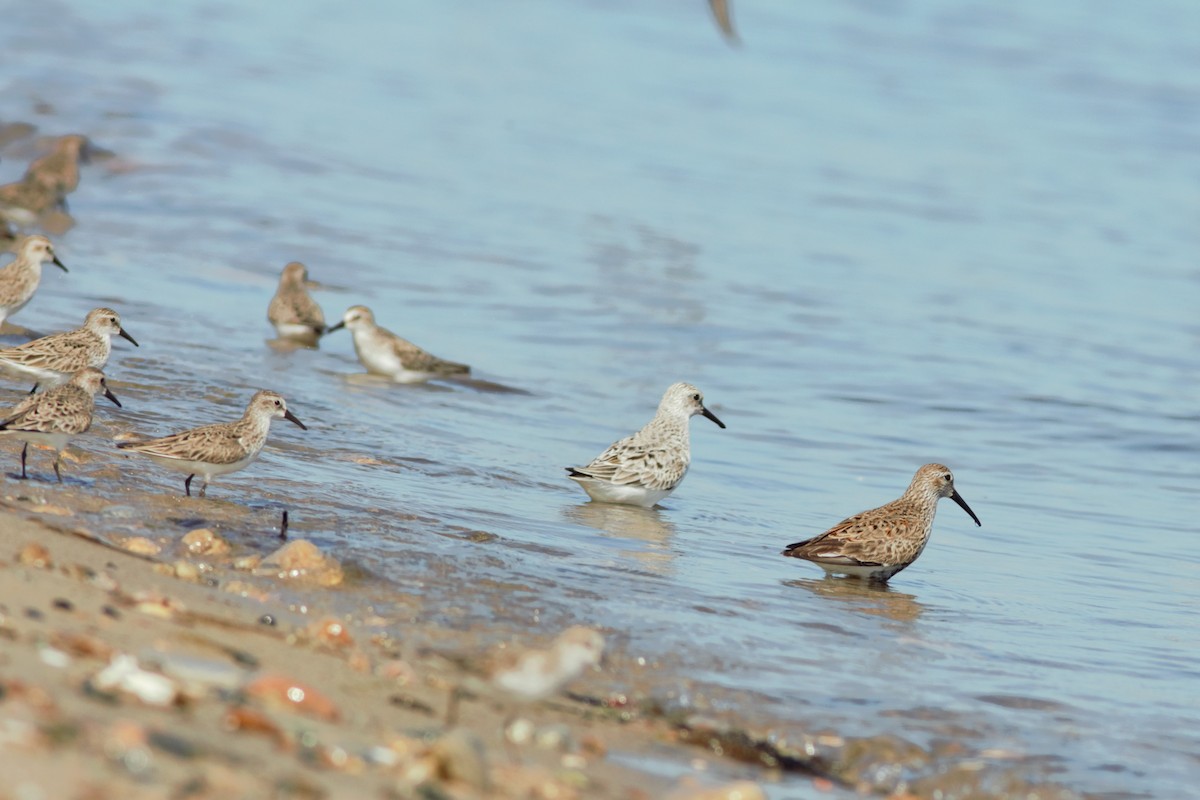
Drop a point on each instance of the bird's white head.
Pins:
(89, 379)
(37, 250)
(686, 400)
(356, 318)
(106, 322)
(270, 405)
(92, 381)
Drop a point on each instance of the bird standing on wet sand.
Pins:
(220, 449)
(293, 312)
(20, 279)
(384, 353)
(642, 469)
(53, 359)
(56, 415)
(877, 544)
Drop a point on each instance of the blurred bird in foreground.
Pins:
(529, 675)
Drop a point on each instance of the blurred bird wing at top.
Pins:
(724, 19)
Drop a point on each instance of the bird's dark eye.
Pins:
(696, 397)
(948, 477)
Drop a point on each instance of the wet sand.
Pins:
(246, 687)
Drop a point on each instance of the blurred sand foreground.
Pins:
(128, 676)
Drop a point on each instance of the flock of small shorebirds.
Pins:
(638, 470)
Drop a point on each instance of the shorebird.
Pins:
(642, 469)
(384, 353)
(58, 170)
(20, 278)
(57, 415)
(214, 450)
(877, 544)
(292, 310)
(526, 675)
(53, 359)
(46, 182)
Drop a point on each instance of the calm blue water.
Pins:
(879, 234)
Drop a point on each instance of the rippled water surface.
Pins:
(876, 235)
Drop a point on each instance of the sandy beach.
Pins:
(192, 672)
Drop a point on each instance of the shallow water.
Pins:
(879, 234)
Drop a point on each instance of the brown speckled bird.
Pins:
(292, 310)
(20, 279)
(877, 544)
(47, 181)
(56, 415)
(214, 450)
(53, 359)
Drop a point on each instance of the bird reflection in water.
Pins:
(645, 526)
(865, 597)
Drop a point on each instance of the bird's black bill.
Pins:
(333, 328)
(713, 417)
(956, 497)
(125, 335)
(61, 265)
(290, 417)
(112, 397)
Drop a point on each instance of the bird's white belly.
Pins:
(56, 440)
(22, 217)
(294, 330)
(878, 572)
(381, 361)
(46, 378)
(203, 468)
(605, 492)
(531, 680)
